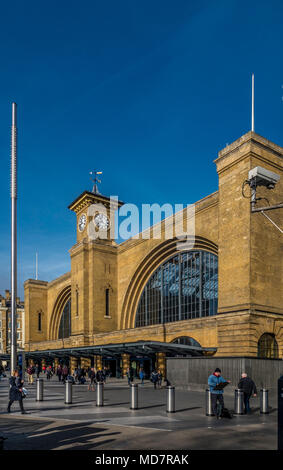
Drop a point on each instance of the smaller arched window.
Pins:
(186, 340)
(267, 346)
(65, 322)
(39, 318)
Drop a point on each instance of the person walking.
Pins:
(65, 373)
(249, 388)
(159, 381)
(37, 371)
(59, 372)
(16, 392)
(49, 373)
(141, 374)
(216, 395)
(92, 378)
(99, 376)
(154, 378)
(30, 372)
(129, 375)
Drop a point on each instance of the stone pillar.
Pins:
(98, 362)
(56, 363)
(31, 362)
(126, 363)
(85, 362)
(73, 364)
(161, 363)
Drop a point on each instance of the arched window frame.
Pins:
(157, 305)
(265, 350)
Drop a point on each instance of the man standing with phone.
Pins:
(214, 380)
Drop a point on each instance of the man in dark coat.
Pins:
(15, 393)
(248, 386)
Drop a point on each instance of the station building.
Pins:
(143, 300)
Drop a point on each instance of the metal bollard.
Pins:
(208, 403)
(264, 409)
(239, 402)
(170, 399)
(39, 389)
(99, 394)
(68, 392)
(134, 397)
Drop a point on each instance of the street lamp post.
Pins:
(14, 238)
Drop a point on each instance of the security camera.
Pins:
(259, 176)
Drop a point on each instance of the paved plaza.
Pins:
(51, 424)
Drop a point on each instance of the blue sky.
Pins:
(147, 91)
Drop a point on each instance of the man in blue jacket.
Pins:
(216, 395)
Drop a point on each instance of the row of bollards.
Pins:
(170, 405)
(134, 403)
(239, 402)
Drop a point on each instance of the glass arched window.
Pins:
(186, 340)
(65, 322)
(267, 346)
(184, 287)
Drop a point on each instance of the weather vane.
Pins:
(95, 180)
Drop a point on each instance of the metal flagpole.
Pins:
(36, 266)
(253, 103)
(14, 239)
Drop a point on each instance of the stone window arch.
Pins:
(268, 346)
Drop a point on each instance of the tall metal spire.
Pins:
(253, 104)
(14, 238)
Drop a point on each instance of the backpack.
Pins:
(226, 413)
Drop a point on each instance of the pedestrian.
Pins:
(59, 372)
(30, 372)
(37, 370)
(128, 374)
(216, 395)
(154, 378)
(159, 381)
(65, 373)
(92, 378)
(16, 392)
(49, 373)
(99, 376)
(249, 388)
(141, 374)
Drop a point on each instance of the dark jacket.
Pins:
(247, 385)
(15, 385)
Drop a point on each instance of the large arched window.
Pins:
(184, 287)
(267, 346)
(65, 322)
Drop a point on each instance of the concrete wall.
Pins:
(192, 373)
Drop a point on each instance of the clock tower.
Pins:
(94, 266)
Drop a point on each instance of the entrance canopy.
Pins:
(137, 349)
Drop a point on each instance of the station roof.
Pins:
(137, 349)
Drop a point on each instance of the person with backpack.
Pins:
(216, 395)
(249, 388)
(154, 378)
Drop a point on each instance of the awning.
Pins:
(136, 349)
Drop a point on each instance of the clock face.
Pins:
(82, 222)
(101, 221)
